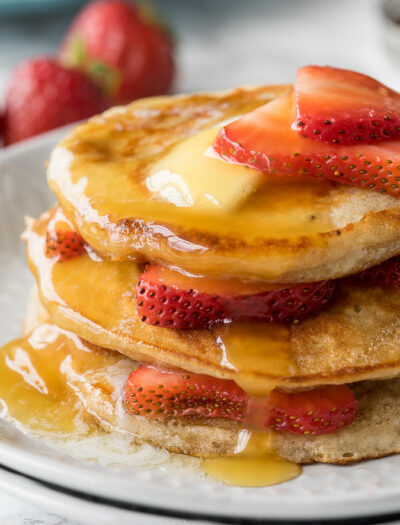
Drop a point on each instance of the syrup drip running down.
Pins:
(254, 463)
(263, 347)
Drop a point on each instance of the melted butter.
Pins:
(188, 176)
(254, 463)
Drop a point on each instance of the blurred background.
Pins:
(222, 43)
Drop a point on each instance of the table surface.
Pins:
(257, 41)
(16, 512)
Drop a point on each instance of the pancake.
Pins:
(97, 377)
(36, 313)
(299, 231)
(356, 337)
(374, 433)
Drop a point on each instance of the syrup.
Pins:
(285, 208)
(34, 380)
(96, 299)
(256, 354)
(32, 388)
(247, 348)
(259, 354)
(254, 463)
(35, 392)
(106, 176)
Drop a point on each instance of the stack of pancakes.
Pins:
(297, 232)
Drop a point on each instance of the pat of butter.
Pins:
(189, 176)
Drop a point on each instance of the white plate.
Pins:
(322, 492)
(75, 508)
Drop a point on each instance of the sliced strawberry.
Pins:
(384, 274)
(164, 394)
(156, 393)
(319, 411)
(344, 107)
(170, 299)
(64, 244)
(264, 140)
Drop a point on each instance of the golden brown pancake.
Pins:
(98, 376)
(286, 232)
(355, 338)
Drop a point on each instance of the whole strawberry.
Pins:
(43, 95)
(126, 55)
(1, 127)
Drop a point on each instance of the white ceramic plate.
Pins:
(322, 492)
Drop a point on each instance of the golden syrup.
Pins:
(102, 177)
(34, 390)
(254, 463)
(259, 354)
(265, 208)
(96, 299)
(212, 285)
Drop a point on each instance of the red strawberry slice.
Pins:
(386, 274)
(164, 394)
(264, 140)
(319, 411)
(157, 393)
(344, 107)
(168, 298)
(64, 244)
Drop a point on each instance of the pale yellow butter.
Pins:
(189, 176)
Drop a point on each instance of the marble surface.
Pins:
(220, 44)
(16, 512)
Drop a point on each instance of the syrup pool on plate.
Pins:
(33, 390)
(254, 463)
